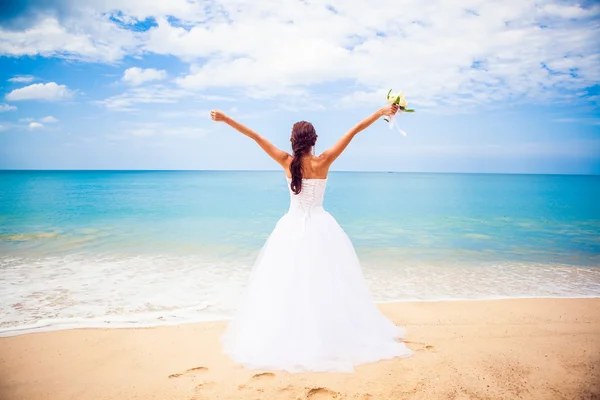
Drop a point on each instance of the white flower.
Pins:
(397, 96)
(393, 97)
(403, 103)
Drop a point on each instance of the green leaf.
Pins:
(388, 95)
(409, 110)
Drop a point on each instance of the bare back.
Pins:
(314, 167)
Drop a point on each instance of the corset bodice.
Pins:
(310, 197)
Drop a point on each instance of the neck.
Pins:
(307, 154)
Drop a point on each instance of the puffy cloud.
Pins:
(35, 125)
(40, 91)
(49, 119)
(441, 53)
(136, 76)
(84, 37)
(7, 107)
(94, 30)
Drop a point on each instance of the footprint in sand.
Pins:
(263, 376)
(205, 385)
(286, 389)
(198, 390)
(189, 371)
(321, 394)
(424, 346)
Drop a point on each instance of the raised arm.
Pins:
(330, 155)
(276, 154)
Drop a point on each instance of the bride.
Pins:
(307, 306)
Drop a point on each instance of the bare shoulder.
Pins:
(319, 161)
(320, 166)
(287, 161)
(325, 157)
(286, 164)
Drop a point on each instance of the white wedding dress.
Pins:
(307, 306)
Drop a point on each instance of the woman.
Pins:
(307, 306)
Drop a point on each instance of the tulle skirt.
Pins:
(307, 306)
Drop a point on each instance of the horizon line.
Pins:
(278, 170)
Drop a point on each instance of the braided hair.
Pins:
(303, 139)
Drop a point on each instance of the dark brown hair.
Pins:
(303, 138)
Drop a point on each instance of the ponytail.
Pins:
(296, 169)
(303, 138)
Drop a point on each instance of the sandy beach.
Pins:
(496, 349)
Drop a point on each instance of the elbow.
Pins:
(355, 129)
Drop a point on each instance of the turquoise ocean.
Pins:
(146, 248)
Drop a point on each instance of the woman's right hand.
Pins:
(390, 110)
(217, 115)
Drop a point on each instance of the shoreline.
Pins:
(487, 349)
(68, 326)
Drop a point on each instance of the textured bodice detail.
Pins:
(310, 197)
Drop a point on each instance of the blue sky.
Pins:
(507, 86)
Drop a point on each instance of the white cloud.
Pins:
(49, 119)
(133, 10)
(439, 52)
(87, 30)
(83, 36)
(22, 79)
(143, 95)
(570, 11)
(35, 125)
(155, 94)
(40, 91)
(136, 76)
(6, 107)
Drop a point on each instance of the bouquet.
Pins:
(399, 99)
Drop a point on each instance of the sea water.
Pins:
(145, 248)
